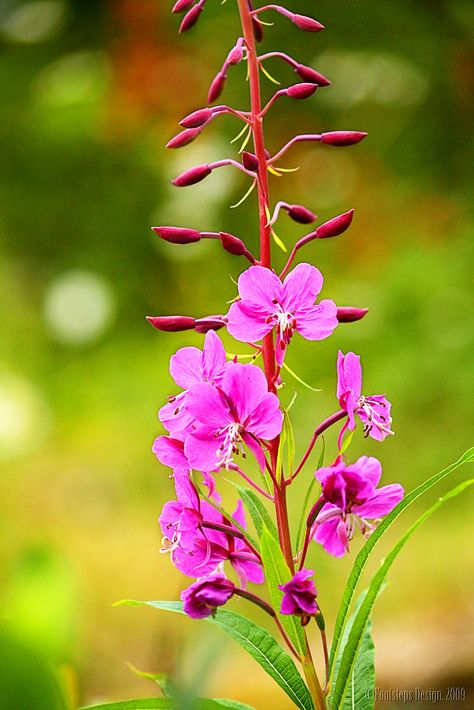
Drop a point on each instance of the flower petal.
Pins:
(213, 358)
(247, 321)
(170, 452)
(266, 420)
(301, 287)
(327, 536)
(246, 386)
(349, 379)
(317, 322)
(382, 502)
(260, 285)
(208, 406)
(186, 366)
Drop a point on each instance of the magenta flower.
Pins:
(266, 303)
(299, 594)
(188, 367)
(373, 411)
(240, 411)
(203, 597)
(352, 499)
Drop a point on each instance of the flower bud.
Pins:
(216, 88)
(301, 214)
(250, 161)
(203, 597)
(177, 235)
(183, 138)
(203, 325)
(171, 324)
(182, 5)
(335, 226)
(301, 91)
(193, 175)
(311, 75)
(342, 137)
(196, 119)
(308, 24)
(236, 54)
(191, 17)
(348, 314)
(232, 244)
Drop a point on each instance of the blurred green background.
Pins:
(91, 91)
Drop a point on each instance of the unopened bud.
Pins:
(236, 54)
(310, 74)
(216, 88)
(193, 175)
(171, 324)
(308, 24)
(182, 5)
(342, 137)
(232, 244)
(335, 226)
(250, 161)
(301, 91)
(178, 235)
(196, 119)
(301, 214)
(348, 314)
(203, 325)
(191, 17)
(183, 138)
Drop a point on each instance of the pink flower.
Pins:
(266, 303)
(299, 595)
(352, 500)
(203, 597)
(239, 411)
(188, 367)
(373, 411)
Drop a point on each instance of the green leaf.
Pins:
(162, 680)
(170, 704)
(286, 446)
(277, 572)
(304, 509)
(257, 511)
(258, 643)
(361, 559)
(359, 625)
(227, 515)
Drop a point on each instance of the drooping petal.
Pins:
(349, 379)
(247, 322)
(317, 322)
(202, 449)
(175, 418)
(382, 502)
(266, 420)
(213, 358)
(245, 386)
(301, 287)
(170, 452)
(208, 406)
(260, 285)
(327, 536)
(185, 367)
(250, 570)
(202, 560)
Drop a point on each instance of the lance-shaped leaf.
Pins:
(278, 573)
(258, 643)
(286, 449)
(362, 557)
(257, 511)
(170, 704)
(359, 625)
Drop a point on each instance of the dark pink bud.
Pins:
(301, 214)
(335, 226)
(183, 138)
(191, 17)
(193, 175)
(308, 24)
(301, 91)
(210, 323)
(171, 324)
(182, 5)
(197, 118)
(250, 161)
(342, 137)
(216, 88)
(232, 244)
(311, 75)
(177, 235)
(347, 314)
(235, 55)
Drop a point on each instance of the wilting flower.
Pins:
(266, 303)
(373, 411)
(299, 594)
(203, 597)
(188, 367)
(352, 500)
(240, 411)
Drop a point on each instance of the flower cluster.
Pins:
(227, 416)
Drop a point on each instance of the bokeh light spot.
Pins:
(34, 21)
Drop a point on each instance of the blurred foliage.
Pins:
(91, 91)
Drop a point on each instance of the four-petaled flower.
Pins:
(203, 597)
(239, 411)
(352, 499)
(373, 411)
(266, 303)
(299, 595)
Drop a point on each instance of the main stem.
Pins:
(268, 349)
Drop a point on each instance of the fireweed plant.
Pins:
(227, 411)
